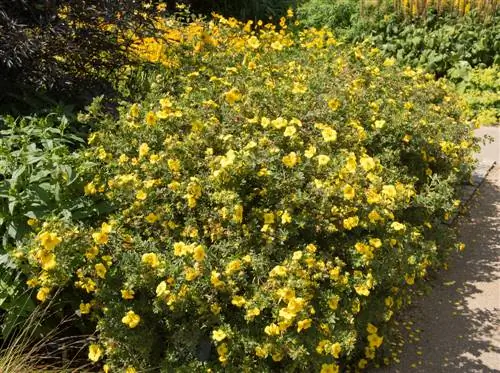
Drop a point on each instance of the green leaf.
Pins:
(17, 174)
(12, 205)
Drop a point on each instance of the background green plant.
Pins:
(40, 177)
(66, 51)
(337, 15)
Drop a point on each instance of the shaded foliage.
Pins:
(66, 49)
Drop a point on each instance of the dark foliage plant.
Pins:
(67, 48)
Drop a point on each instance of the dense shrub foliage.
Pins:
(276, 197)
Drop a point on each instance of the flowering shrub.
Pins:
(275, 196)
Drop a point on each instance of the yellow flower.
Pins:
(299, 88)
(166, 103)
(92, 252)
(371, 329)
(130, 370)
(286, 218)
(101, 153)
(334, 104)
(174, 165)
(278, 270)
(199, 253)
(141, 195)
(362, 290)
(232, 96)
(333, 302)
(222, 351)
(219, 335)
(253, 42)
(85, 308)
(369, 353)
(100, 270)
(389, 62)
(311, 248)
(49, 240)
(127, 294)
(251, 313)
(367, 163)
(290, 160)
(375, 242)
(123, 159)
(349, 192)
(161, 289)
(351, 163)
(151, 118)
(279, 123)
(389, 191)
(335, 350)
(238, 214)
(143, 150)
(323, 159)
(329, 134)
(191, 273)
(151, 259)
(276, 45)
(268, 218)
(95, 352)
(398, 226)
(290, 131)
(329, 368)
(272, 329)
(131, 319)
(47, 260)
(409, 279)
(89, 189)
(154, 158)
(134, 110)
(351, 222)
(238, 301)
(180, 248)
(375, 340)
(265, 122)
(303, 324)
(261, 352)
(100, 238)
(151, 218)
(42, 294)
(374, 216)
(310, 152)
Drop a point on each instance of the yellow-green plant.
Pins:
(275, 196)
